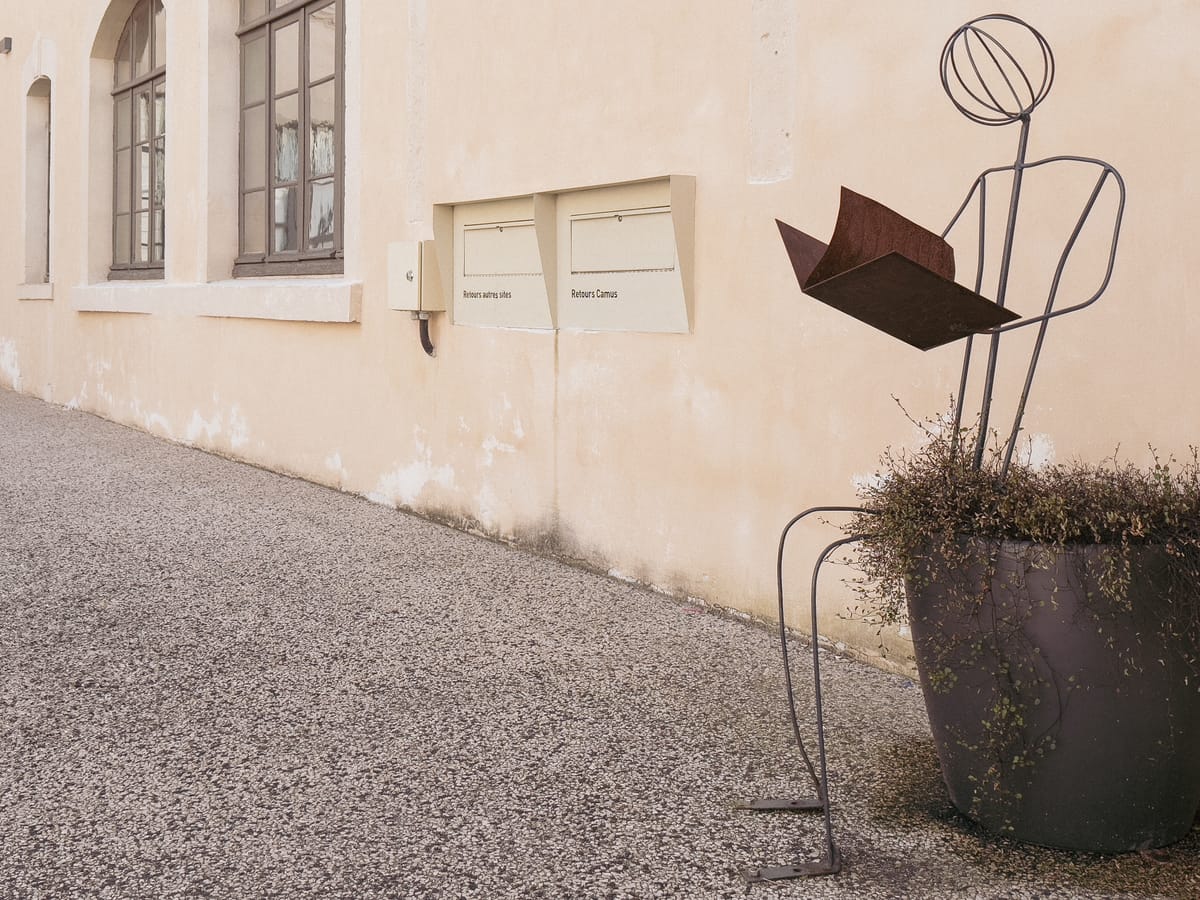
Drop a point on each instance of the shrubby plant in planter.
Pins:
(1055, 615)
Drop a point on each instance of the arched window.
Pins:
(37, 183)
(139, 143)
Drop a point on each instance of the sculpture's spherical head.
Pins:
(996, 69)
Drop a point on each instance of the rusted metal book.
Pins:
(890, 273)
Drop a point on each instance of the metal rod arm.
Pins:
(1011, 443)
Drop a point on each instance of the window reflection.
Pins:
(160, 171)
(287, 138)
(123, 121)
(158, 237)
(320, 214)
(123, 169)
(123, 62)
(254, 142)
(141, 232)
(254, 222)
(141, 190)
(142, 129)
(322, 135)
(322, 43)
(287, 59)
(253, 9)
(160, 109)
(285, 220)
(160, 34)
(141, 39)
(254, 71)
(121, 240)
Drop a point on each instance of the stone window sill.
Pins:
(36, 291)
(282, 299)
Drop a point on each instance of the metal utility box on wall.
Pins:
(501, 255)
(605, 258)
(626, 256)
(414, 278)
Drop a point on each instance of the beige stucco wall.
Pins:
(670, 459)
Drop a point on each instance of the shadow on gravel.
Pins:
(915, 799)
(913, 796)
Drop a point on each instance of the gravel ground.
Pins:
(216, 681)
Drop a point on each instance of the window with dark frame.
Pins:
(290, 182)
(139, 144)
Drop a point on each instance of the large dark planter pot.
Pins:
(1105, 711)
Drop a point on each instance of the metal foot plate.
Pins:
(800, 870)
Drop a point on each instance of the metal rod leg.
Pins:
(831, 862)
(825, 554)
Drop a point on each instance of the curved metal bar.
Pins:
(979, 266)
(989, 382)
(981, 34)
(1112, 253)
(979, 186)
(986, 41)
(966, 202)
(816, 661)
(831, 863)
(994, 103)
(1109, 169)
(1011, 442)
(787, 668)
